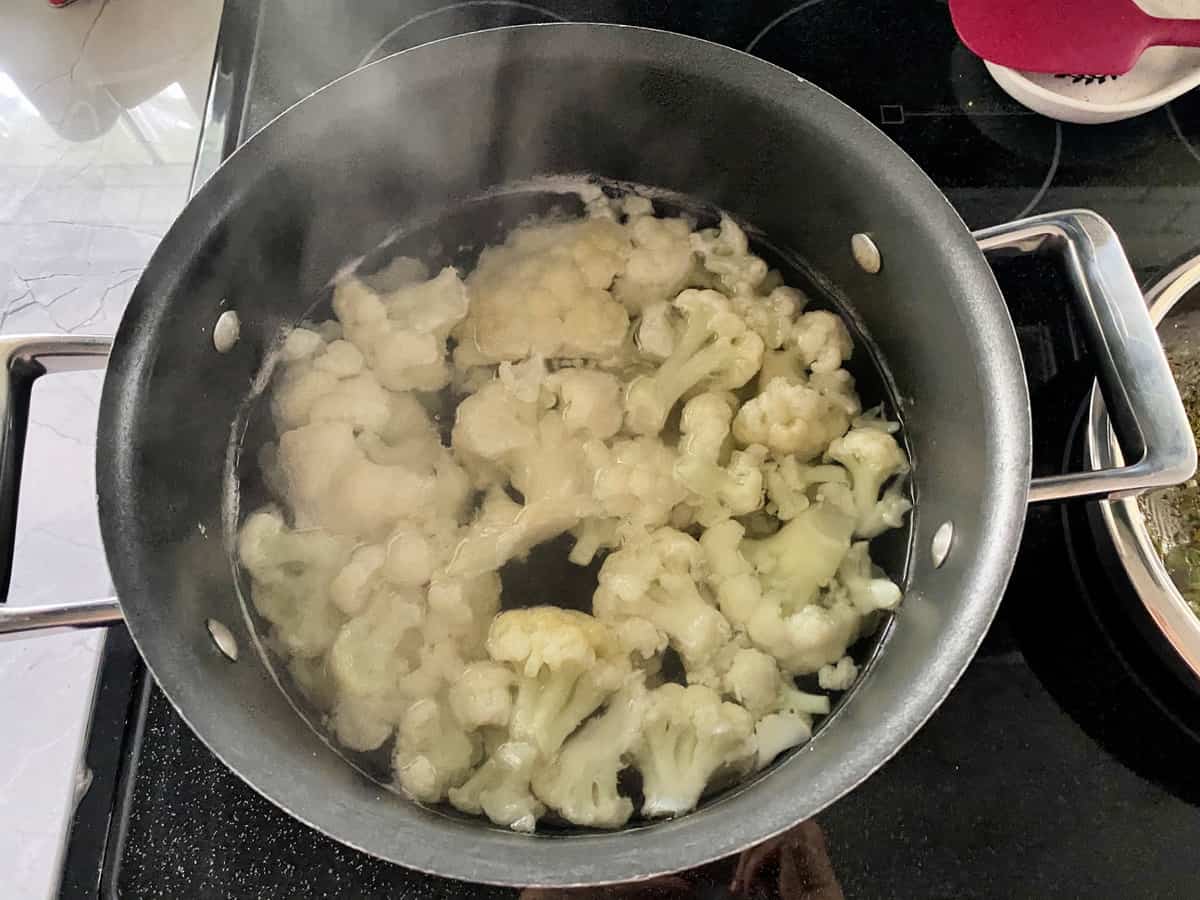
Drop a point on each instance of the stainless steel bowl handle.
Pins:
(24, 359)
(1148, 416)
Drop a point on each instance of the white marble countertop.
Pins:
(100, 106)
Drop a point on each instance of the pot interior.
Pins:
(455, 238)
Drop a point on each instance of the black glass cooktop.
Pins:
(1065, 762)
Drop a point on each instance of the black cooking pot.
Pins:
(425, 140)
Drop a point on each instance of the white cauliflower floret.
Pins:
(358, 399)
(366, 661)
(581, 783)
(461, 610)
(331, 483)
(804, 555)
(730, 574)
(407, 645)
(540, 459)
(500, 788)
(788, 722)
(507, 426)
(770, 587)
(364, 723)
(633, 206)
(641, 640)
(790, 484)
(793, 700)
(593, 534)
(815, 635)
(433, 306)
(300, 343)
(589, 401)
(687, 735)
(499, 420)
(713, 671)
(782, 364)
(291, 572)
(635, 479)
(323, 382)
(407, 559)
(783, 714)
(504, 529)
(482, 696)
(725, 253)
(812, 354)
(331, 385)
(555, 483)
(411, 555)
(408, 438)
(402, 335)
(433, 752)
(874, 418)
(337, 357)
(872, 457)
(545, 291)
(838, 676)
(655, 336)
(399, 272)
(715, 351)
(776, 732)
(753, 680)
(525, 380)
(704, 425)
(791, 419)
(837, 387)
(350, 590)
(566, 664)
(721, 492)
(466, 377)
(403, 360)
(438, 664)
(864, 583)
(822, 340)
(772, 317)
(452, 490)
(659, 578)
(717, 492)
(660, 265)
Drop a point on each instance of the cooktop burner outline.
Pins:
(779, 20)
(466, 4)
(1171, 117)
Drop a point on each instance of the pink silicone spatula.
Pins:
(1096, 37)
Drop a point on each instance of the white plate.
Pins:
(1161, 75)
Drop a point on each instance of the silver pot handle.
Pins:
(24, 359)
(1148, 416)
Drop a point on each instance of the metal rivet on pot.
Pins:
(866, 254)
(223, 638)
(226, 331)
(939, 547)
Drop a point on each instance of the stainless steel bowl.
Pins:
(1174, 303)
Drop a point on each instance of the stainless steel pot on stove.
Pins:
(418, 134)
(1174, 307)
